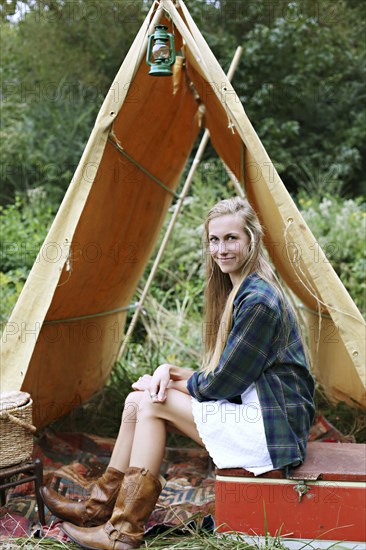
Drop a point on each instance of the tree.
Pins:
(300, 80)
(59, 60)
(303, 92)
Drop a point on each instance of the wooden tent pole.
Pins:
(178, 206)
(235, 181)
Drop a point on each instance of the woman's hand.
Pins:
(159, 383)
(164, 377)
(156, 384)
(143, 383)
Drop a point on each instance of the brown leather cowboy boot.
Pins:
(95, 510)
(136, 500)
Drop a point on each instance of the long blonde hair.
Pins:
(219, 291)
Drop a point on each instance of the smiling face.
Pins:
(228, 244)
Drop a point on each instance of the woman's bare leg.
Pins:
(120, 459)
(141, 438)
(148, 445)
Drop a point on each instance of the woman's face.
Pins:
(228, 244)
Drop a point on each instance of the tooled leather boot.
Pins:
(136, 500)
(95, 510)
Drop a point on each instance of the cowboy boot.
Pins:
(136, 500)
(95, 510)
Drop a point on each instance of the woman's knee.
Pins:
(141, 401)
(132, 405)
(134, 397)
(149, 408)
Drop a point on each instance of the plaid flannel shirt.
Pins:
(264, 346)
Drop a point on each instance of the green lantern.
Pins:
(160, 54)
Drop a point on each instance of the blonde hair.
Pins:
(220, 292)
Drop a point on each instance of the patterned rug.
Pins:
(71, 462)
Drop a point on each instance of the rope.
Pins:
(113, 140)
(333, 308)
(243, 178)
(91, 315)
(308, 286)
(323, 315)
(312, 291)
(21, 423)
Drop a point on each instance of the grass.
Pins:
(30, 543)
(164, 541)
(350, 421)
(189, 543)
(186, 536)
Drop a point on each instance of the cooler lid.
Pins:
(332, 461)
(324, 461)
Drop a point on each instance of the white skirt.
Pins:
(234, 434)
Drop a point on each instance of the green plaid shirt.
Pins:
(264, 346)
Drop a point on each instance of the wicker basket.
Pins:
(16, 429)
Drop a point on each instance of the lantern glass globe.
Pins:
(160, 51)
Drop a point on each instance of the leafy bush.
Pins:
(11, 284)
(340, 229)
(303, 79)
(23, 227)
(50, 96)
(36, 139)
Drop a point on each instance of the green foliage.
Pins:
(181, 268)
(302, 87)
(23, 227)
(82, 42)
(11, 284)
(340, 229)
(58, 63)
(42, 114)
(349, 421)
(183, 537)
(33, 155)
(300, 80)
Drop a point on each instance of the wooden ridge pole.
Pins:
(196, 161)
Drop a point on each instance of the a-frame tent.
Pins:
(64, 333)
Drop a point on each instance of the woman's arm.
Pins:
(178, 373)
(180, 385)
(249, 349)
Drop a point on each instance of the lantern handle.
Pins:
(172, 48)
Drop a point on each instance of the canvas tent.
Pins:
(64, 333)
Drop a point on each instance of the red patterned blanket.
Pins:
(72, 461)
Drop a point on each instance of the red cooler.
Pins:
(324, 498)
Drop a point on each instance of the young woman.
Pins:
(250, 404)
